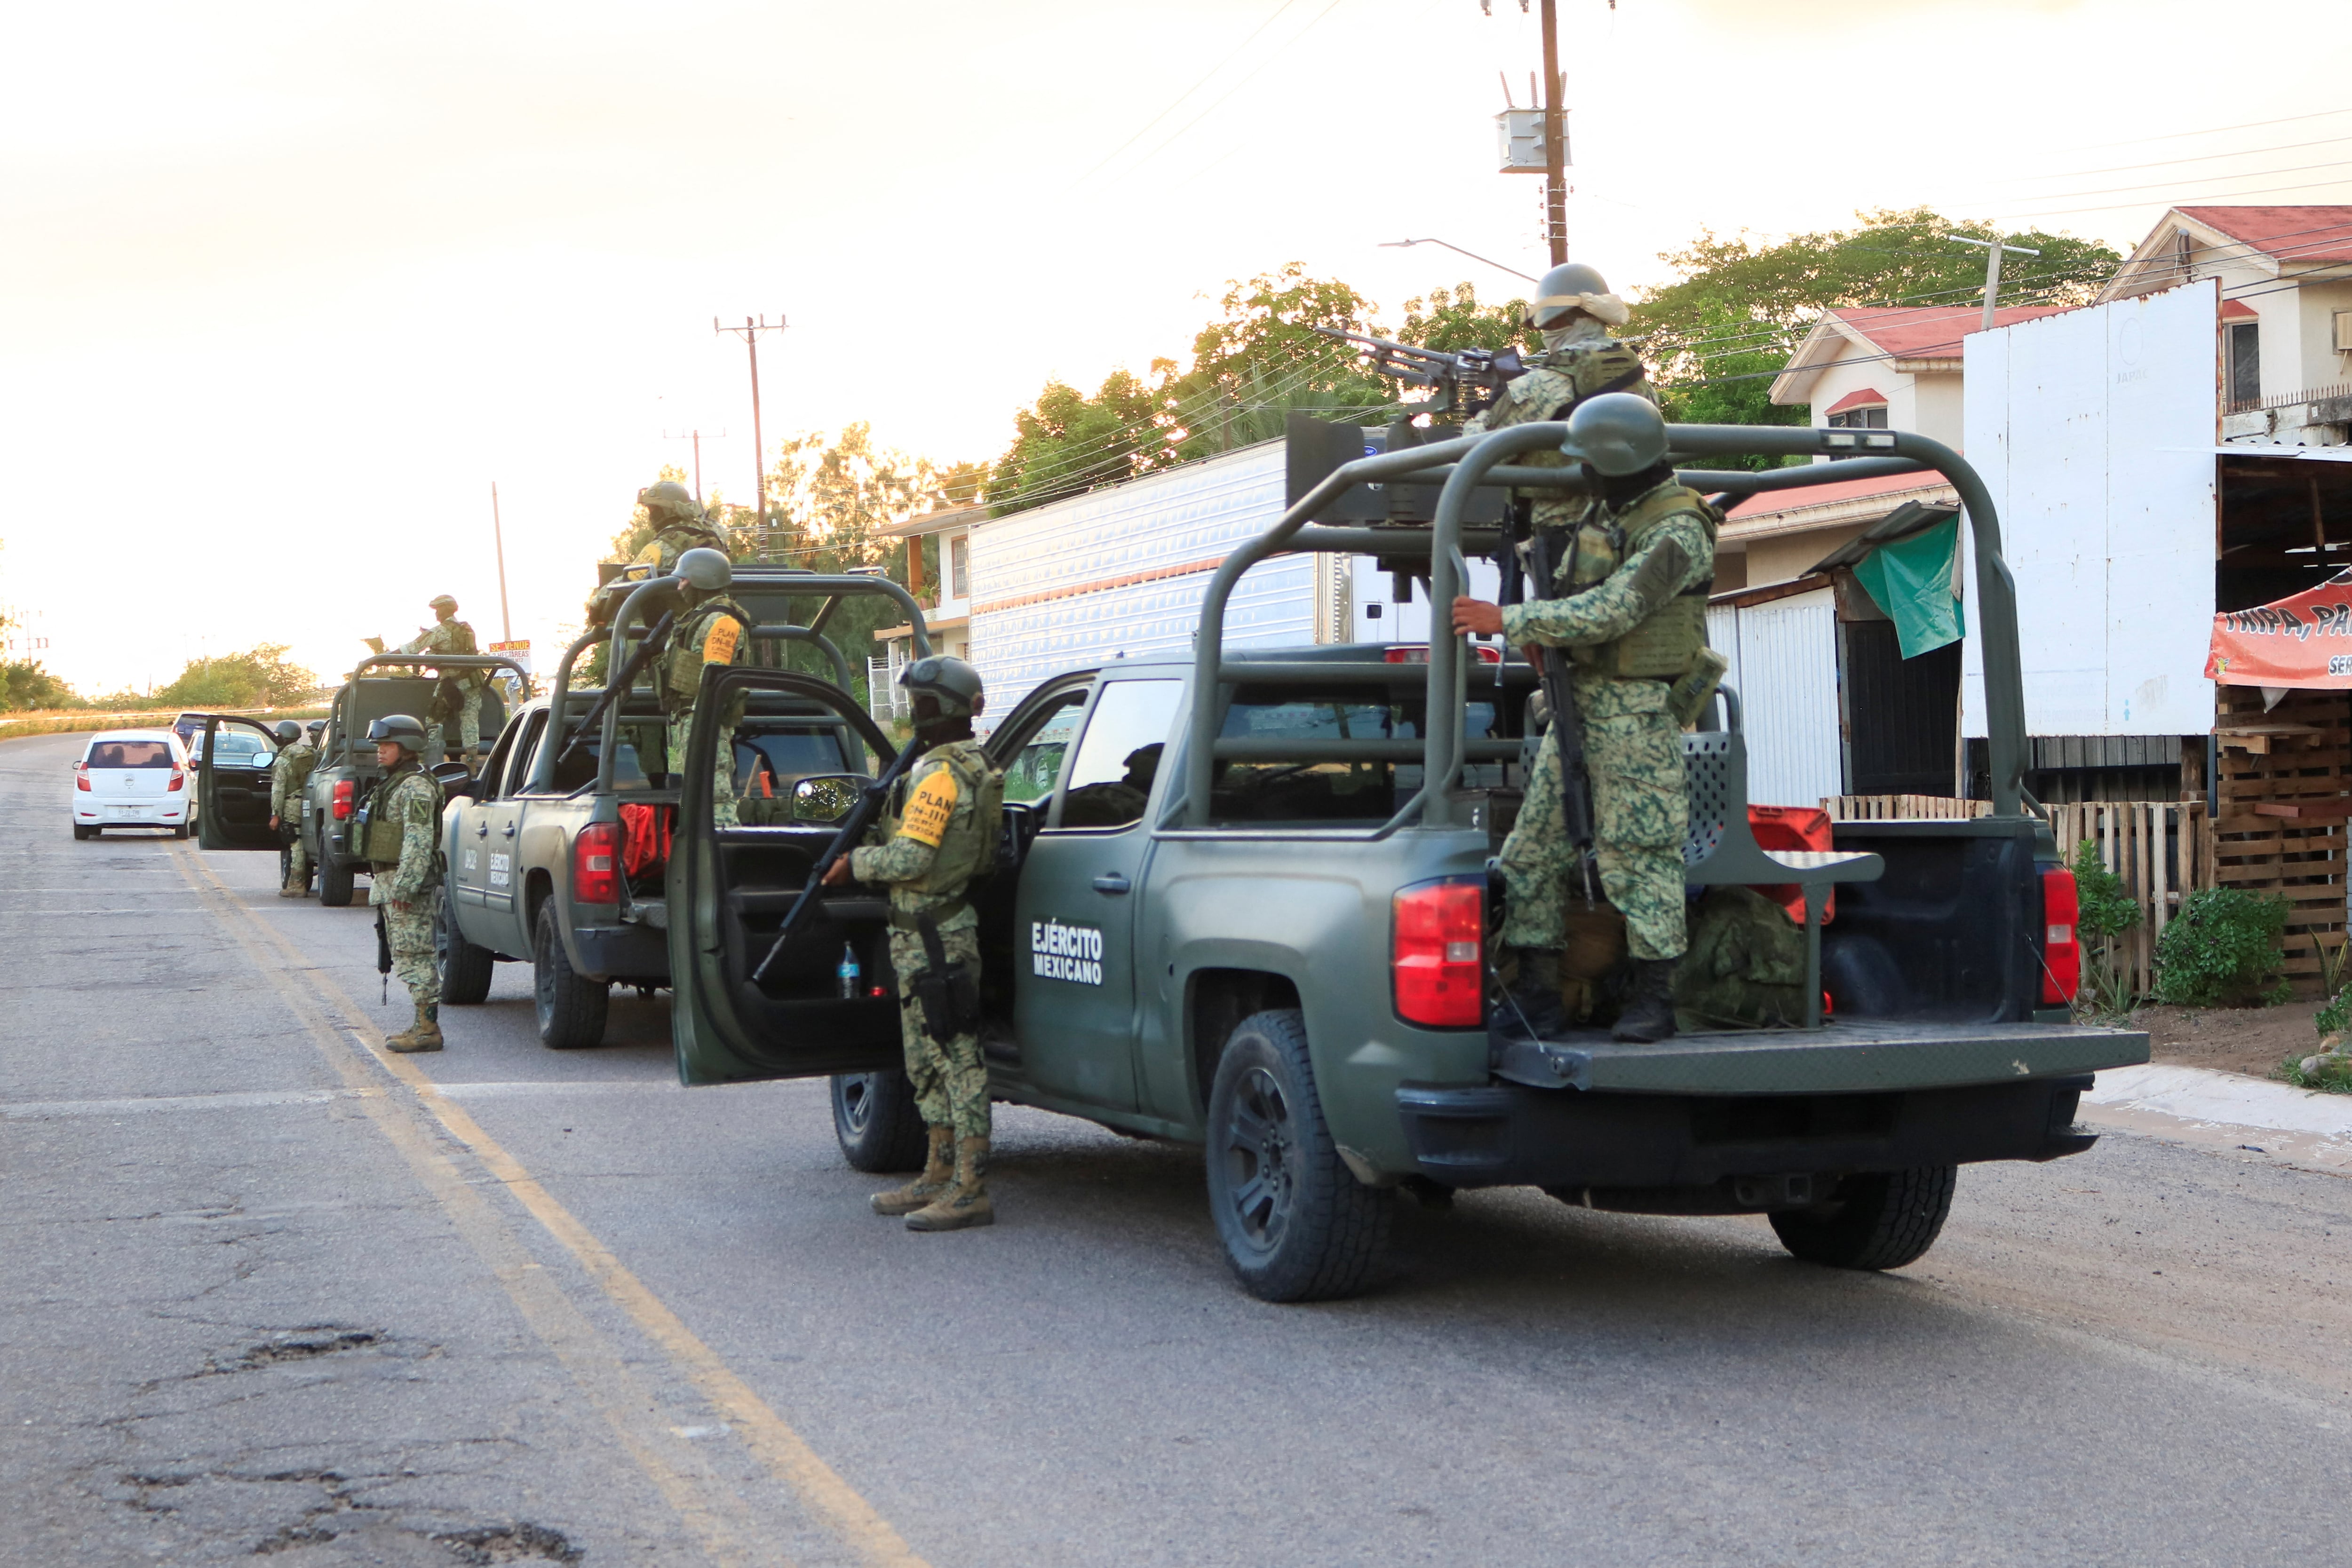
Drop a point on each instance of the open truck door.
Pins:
(729, 888)
(232, 785)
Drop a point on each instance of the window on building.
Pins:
(2245, 362)
(960, 566)
(1860, 419)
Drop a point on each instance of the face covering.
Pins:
(1581, 329)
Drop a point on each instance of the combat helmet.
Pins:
(667, 500)
(1618, 433)
(442, 601)
(952, 683)
(400, 728)
(706, 571)
(1564, 290)
(287, 732)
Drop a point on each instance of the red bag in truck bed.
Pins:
(1793, 828)
(644, 835)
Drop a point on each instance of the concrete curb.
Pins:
(2226, 1111)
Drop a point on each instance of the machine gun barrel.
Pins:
(1477, 374)
(853, 828)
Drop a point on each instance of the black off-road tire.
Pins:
(464, 969)
(1296, 1224)
(876, 1123)
(571, 1009)
(335, 882)
(1880, 1221)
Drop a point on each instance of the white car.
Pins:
(132, 778)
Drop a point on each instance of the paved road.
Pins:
(271, 1292)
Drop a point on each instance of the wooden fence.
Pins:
(2163, 850)
(2282, 777)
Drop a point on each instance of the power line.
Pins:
(1188, 92)
(1176, 135)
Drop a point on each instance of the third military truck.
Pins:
(1245, 901)
(558, 853)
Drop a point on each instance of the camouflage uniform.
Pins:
(452, 636)
(288, 775)
(1632, 745)
(675, 539)
(407, 888)
(715, 632)
(1556, 381)
(931, 845)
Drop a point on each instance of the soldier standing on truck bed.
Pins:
(711, 629)
(402, 844)
(288, 775)
(679, 525)
(460, 691)
(939, 832)
(1628, 607)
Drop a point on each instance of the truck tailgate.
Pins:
(1859, 1056)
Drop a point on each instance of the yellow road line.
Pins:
(617, 1393)
(782, 1449)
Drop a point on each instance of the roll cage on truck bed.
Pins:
(1238, 948)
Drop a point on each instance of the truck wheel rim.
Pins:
(1260, 1159)
(856, 1103)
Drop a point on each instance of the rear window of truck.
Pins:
(1317, 789)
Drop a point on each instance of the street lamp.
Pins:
(1401, 244)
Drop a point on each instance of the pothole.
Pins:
(303, 1344)
(509, 1543)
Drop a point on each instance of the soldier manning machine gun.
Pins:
(1465, 383)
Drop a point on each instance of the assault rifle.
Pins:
(615, 688)
(853, 828)
(1567, 724)
(1465, 383)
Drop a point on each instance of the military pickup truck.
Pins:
(1249, 906)
(556, 852)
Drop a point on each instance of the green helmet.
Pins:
(442, 601)
(1617, 433)
(954, 684)
(705, 570)
(315, 728)
(1556, 295)
(667, 500)
(400, 728)
(287, 732)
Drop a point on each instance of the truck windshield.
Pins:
(1275, 789)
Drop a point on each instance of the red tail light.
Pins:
(81, 777)
(596, 863)
(343, 802)
(2062, 947)
(1438, 958)
(179, 781)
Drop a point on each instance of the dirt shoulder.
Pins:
(2252, 1040)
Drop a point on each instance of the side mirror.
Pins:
(825, 799)
(453, 778)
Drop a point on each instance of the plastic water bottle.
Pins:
(848, 973)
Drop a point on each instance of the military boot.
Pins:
(966, 1203)
(296, 887)
(938, 1176)
(1649, 1015)
(424, 1034)
(1532, 1006)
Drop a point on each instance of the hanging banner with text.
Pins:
(2301, 642)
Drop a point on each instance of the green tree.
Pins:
(1451, 321)
(1716, 336)
(1066, 441)
(259, 677)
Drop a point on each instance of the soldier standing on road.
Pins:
(460, 691)
(712, 629)
(1628, 607)
(404, 853)
(939, 831)
(680, 524)
(287, 777)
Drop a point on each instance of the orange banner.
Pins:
(2303, 641)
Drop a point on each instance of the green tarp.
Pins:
(1915, 580)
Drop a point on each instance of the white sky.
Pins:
(286, 287)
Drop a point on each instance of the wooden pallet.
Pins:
(2283, 779)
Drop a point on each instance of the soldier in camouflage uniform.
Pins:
(711, 629)
(1629, 609)
(679, 525)
(460, 690)
(287, 776)
(403, 850)
(1574, 311)
(940, 830)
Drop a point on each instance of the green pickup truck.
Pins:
(1247, 905)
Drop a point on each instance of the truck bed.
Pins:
(1862, 1056)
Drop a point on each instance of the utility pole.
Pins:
(749, 332)
(1993, 247)
(694, 435)
(1554, 139)
(499, 537)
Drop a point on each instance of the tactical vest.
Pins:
(1667, 644)
(461, 638)
(684, 662)
(960, 857)
(378, 839)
